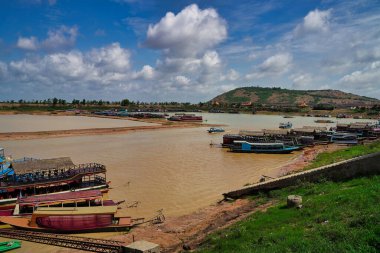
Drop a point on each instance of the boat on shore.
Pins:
(268, 148)
(72, 220)
(215, 130)
(286, 125)
(186, 117)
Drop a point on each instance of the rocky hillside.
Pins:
(278, 96)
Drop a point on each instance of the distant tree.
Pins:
(83, 102)
(55, 101)
(125, 102)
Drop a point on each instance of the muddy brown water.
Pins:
(176, 170)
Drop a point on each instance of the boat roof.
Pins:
(251, 133)
(276, 132)
(260, 143)
(315, 127)
(59, 197)
(41, 164)
(75, 210)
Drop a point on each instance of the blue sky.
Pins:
(186, 51)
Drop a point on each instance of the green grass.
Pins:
(344, 154)
(335, 217)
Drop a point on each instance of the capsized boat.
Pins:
(215, 130)
(269, 148)
(9, 245)
(72, 220)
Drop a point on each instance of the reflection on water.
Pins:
(33, 123)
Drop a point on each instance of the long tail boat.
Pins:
(72, 220)
(40, 177)
(269, 148)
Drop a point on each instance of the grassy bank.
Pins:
(335, 217)
(344, 154)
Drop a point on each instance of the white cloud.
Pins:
(232, 75)
(300, 81)
(367, 78)
(190, 32)
(314, 22)
(61, 38)
(111, 58)
(146, 73)
(182, 80)
(27, 43)
(99, 68)
(274, 65)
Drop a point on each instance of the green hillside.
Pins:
(273, 96)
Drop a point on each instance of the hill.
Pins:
(278, 96)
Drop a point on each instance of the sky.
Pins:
(185, 51)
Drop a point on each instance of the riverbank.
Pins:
(190, 231)
(334, 217)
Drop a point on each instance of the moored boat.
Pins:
(72, 220)
(286, 125)
(215, 130)
(344, 138)
(30, 177)
(269, 148)
(186, 117)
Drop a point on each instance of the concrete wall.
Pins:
(359, 166)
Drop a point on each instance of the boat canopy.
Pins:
(29, 166)
(60, 197)
(75, 210)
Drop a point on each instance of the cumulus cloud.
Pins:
(61, 38)
(367, 78)
(232, 75)
(274, 65)
(146, 73)
(190, 32)
(314, 22)
(57, 39)
(111, 58)
(300, 81)
(99, 68)
(27, 43)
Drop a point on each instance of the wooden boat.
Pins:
(323, 121)
(344, 138)
(186, 117)
(72, 220)
(215, 130)
(9, 245)
(269, 148)
(29, 177)
(25, 206)
(286, 125)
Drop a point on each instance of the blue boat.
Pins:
(215, 130)
(265, 147)
(285, 125)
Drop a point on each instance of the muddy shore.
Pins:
(191, 230)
